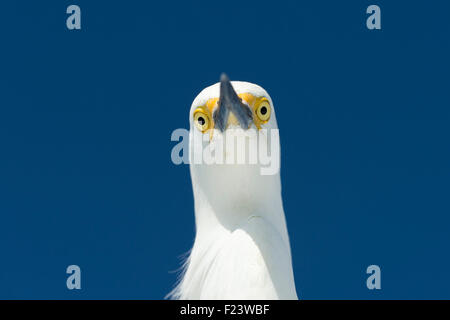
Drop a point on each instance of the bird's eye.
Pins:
(263, 110)
(202, 120)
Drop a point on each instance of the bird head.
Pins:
(231, 104)
(233, 138)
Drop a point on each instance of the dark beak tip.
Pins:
(224, 77)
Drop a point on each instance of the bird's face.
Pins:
(231, 139)
(251, 107)
(254, 111)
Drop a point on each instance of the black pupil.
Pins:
(263, 110)
(201, 121)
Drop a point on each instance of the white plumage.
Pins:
(241, 248)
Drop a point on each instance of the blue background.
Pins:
(86, 118)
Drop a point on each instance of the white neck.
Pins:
(240, 251)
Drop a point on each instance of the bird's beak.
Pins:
(230, 102)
